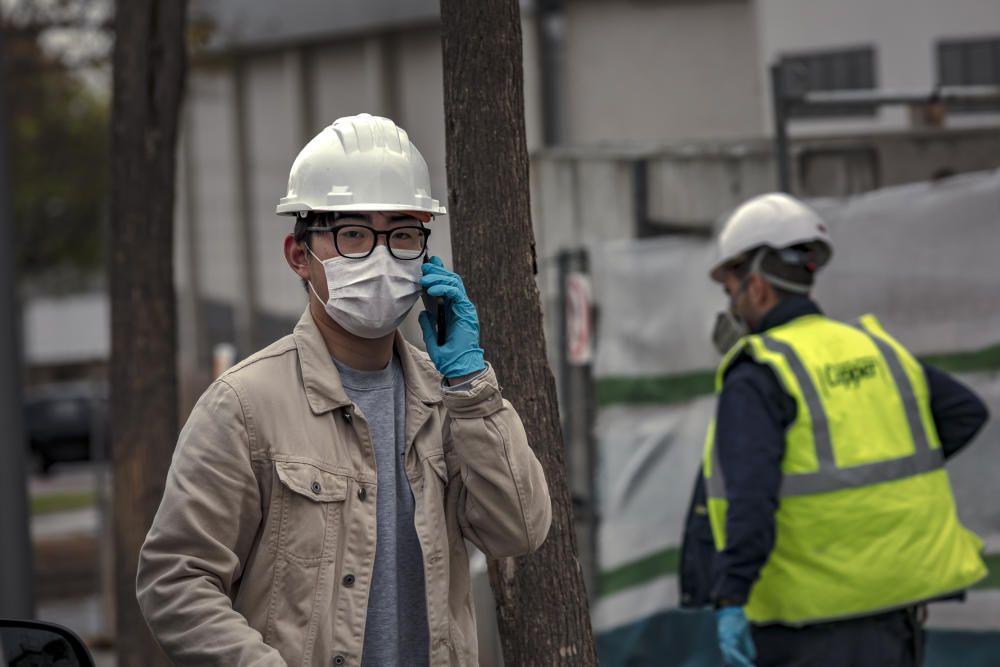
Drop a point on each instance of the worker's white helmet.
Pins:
(359, 163)
(775, 221)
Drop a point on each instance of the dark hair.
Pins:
(772, 264)
(302, 235)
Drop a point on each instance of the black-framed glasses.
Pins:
(359, 241)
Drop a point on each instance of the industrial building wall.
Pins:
(207, 233)
(661, 71)
(207, 188)
(274, 136)
(903, 33)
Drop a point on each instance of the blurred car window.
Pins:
(66, 422)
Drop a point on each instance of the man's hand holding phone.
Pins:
(459, 355)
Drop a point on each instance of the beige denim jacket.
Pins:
(262, 549)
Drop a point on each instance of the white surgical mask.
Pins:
(370, 297)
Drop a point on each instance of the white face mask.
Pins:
(370, 297)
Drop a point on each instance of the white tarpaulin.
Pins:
(925, 258)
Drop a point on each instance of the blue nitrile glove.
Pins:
(460, 355)
(734, 637)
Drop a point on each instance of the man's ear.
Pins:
(297, 257)
(757, 288)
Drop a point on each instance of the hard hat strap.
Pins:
(787, 285)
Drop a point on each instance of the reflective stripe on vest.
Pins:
(830, 477)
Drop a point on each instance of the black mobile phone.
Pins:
(435, 306)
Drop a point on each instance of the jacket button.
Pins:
(316, 488)
(362, 493)
(348, 580)
(347, 415)
(338, 660)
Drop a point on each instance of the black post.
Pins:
(16, 594)
(589, 404)
(578, 409)
(780, 103)
(563, 267)
(550, 23)
(640, 199)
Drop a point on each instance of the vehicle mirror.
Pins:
(38, 644)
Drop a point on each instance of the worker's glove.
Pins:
(734, 637)
(460, 355)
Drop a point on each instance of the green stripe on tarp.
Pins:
(987, 359)
(659, 390)
(683, 387)
(992, 580)
(640, 571)
(666, 562)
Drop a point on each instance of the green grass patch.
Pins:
(63, 502)
(640, 571)
(992, 579)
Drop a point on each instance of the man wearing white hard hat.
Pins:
(824, 484)
(322, 490)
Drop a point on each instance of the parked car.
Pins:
(67, 422)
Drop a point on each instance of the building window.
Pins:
(847, 69)
(969, 62)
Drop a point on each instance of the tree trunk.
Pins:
(542, 605)
(17, 598)
(149, 68)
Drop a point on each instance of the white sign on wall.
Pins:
(579, 320)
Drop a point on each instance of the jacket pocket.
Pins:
(438, 466)
(312, 507)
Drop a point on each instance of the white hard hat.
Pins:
(775, 221)
(359, 163)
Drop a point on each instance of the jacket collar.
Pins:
(422, 378)
(321, 380)
(787, 310)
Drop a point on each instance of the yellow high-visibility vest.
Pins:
(866, 519)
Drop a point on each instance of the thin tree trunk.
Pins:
(541, 599)
(149, 68)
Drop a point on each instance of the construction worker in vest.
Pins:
(830, 507)
(321, 494)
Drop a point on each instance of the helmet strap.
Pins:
(787, 285)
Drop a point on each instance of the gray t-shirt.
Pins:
(396, 629)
